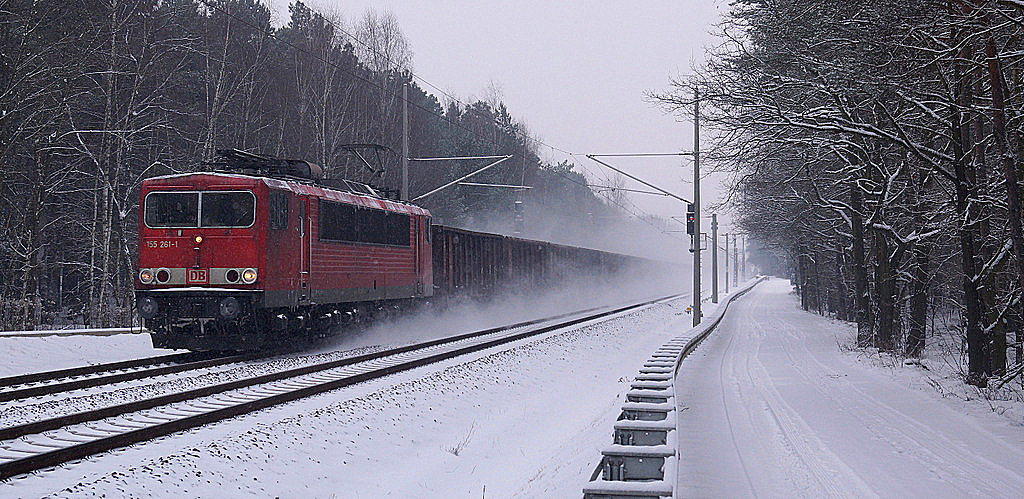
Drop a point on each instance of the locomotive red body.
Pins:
(231, 261)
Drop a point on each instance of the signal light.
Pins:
(690, 216)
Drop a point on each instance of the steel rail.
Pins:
(12, 432)
(78, 451)
(22, 379)
(49, 389)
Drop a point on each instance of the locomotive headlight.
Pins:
(146, 276)
(231, 275)
(249, 276)
(199, 239)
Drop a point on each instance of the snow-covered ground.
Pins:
(522, 422)
(23, 355)
(773, 405)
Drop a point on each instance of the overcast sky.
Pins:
(574, 72)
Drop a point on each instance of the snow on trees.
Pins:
(876, 147)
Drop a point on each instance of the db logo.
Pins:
(198, 276)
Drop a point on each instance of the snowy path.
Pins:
(770, 407)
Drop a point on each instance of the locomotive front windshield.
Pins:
(189, 210)
(172, 209)
(227, 209)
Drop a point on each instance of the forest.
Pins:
(875, 148)
(96, 96)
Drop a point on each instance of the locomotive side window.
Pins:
(172, 209)
(337, 222)
(278, 210)
(227, 209)
(348, 223)
(372, 226)
(398, 229)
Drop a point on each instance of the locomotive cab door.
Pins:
(305, 249)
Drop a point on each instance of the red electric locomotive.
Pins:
(241, 259)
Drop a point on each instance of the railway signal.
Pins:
(693, 207)
(690, 216)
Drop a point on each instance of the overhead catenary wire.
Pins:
(648, 184)
(506, 186)
(458, 158)
(270, 33)
(464, 105)
(640, 154)
(460, 179)
(613, 189)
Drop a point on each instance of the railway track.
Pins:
(46, 443)
(39, 377)
(65, 380)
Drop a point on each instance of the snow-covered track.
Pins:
(66, 380)
(641, 462)
(35, 446)
(93, 369)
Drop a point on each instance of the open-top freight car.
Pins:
(481, 264)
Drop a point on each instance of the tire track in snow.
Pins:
(796, 408)
(824, 466)
(763, 445)
(725, 408)
(935, 449)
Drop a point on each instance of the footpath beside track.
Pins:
(43, 444)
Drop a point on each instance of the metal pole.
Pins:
(60, 292)
(735, 262)
(696, 208)
(726, 262)
(522, 175)
(743, 261)
(714, 258)
(405, 142)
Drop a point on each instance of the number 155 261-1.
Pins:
(161, 244)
